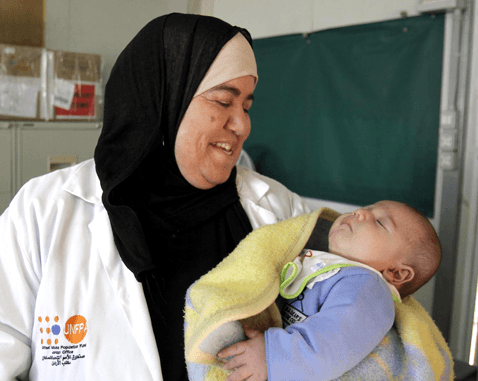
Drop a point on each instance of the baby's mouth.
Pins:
(225, 147)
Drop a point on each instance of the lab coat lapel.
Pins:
(128, 290)
(258, 215)
(251, 191)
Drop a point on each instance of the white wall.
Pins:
(101, 26)
(278, 17)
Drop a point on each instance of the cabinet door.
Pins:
(6, 167)
(44, 147)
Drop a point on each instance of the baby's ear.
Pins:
(399, 275)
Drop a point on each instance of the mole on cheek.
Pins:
(212, 119)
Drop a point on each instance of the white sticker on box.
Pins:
(18, 96)
(63, 94)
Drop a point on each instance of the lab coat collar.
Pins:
(250, 186)
(84, 183)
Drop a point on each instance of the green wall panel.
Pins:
(351, 114)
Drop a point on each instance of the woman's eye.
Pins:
(380, 223)
(223, 104)
(247, 107)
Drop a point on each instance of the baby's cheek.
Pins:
(333, 246)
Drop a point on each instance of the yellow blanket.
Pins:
(414, 349)
(244, 286)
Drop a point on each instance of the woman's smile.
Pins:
(224, 147)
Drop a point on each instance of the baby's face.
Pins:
(376, 235)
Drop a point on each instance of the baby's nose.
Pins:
(361, 214)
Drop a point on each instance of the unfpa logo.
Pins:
(75, 329)
(54, 329)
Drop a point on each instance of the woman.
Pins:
(94, 268)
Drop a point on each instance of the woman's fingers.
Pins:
(233, 350)
(243, 358)
(234, 363)
(239, 375)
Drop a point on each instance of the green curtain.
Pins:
(351, 114)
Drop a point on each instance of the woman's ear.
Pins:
(400, 275)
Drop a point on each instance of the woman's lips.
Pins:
(226, 147)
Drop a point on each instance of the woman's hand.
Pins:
(249, 359)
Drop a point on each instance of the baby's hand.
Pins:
(249, 359)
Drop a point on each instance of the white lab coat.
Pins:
(61, 279)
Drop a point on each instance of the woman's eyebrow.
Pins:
(233, 90)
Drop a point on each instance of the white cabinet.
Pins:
(31, 149)
(7, 149)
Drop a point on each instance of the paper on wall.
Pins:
(63, 94)
(19, 96)
(83, 104)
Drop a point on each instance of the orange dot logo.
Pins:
(75, 329)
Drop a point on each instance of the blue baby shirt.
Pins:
(331, 327)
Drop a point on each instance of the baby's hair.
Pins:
(424, 256)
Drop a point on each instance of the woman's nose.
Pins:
(239, 123)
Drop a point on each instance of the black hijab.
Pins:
(167, 232)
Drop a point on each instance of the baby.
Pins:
(333, 318)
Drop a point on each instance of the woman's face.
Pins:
(212, 132)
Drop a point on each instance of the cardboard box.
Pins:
(23, 83)
(74, 86)
(43, 84)
(22, 22)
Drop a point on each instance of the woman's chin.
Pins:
(208, 181)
